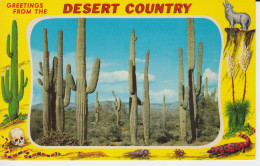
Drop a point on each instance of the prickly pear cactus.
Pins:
(11, 95)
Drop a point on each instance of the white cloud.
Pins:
(121, 76)
(157, 96)
(212, 76)
(140, 60)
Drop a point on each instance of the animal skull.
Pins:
(17, 136)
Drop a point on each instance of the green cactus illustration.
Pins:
(11, 95)
(134, 101)
(146, 102)
(183, 99)
(194, 92)
(82, 89)
(97, 108)
(164, 111)
(117, 107)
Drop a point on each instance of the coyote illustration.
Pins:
(236, 18)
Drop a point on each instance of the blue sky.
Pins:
(109, 39)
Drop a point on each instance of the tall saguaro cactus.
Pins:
(183, 99)
(63, 87)
(11, 96)
(164, 111)
(97, 107)
(133, 99)
(48, 87)
(194, 92)
(83, 89)
(117, 107)
(146, 102)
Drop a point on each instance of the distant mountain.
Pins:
(155, 107)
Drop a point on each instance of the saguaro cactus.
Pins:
(207, 90)
(83, 89)
(63, 87)
(117, 107)
(213, 95)
(97, 106)
(133, 99)
(194, 92)
(146, 102)
(183, 99)
(164, 111)
(47, 83)
(11, 96)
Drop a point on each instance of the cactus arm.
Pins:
(40, 72)
(181, 78)
(40, 81)
(94, 77)
(119, 104)
(139, 102)
(186, 97)
(199, 72)
(70, 85)
(167, 108)
(9, 53)
(114, 95)
(131, 78)
(7, 95)
(22, 85)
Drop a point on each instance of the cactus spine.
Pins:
(146, 102)
(133, 99)
(117, 107)
(164, 111)
(97, 106)
(82, 89)
(194, 92)
(11, 96)
(183, 99)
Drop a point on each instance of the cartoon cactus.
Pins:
(48, 83)
(117, 107)
(134, 101)
(194, 90)
(164, 111)
(11, 96)
(97, 107)
(146, 102)
(183, 99)
(82, 89)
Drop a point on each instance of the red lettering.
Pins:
(87, 8)
(67, 8)
(76, 8)
(139, 8)
(178, 8)
(169, 6)
(105, 8)
(115, 5)
(147, 10)
(127, 8)
(187, 7)
(95, 8)
(159, 8)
